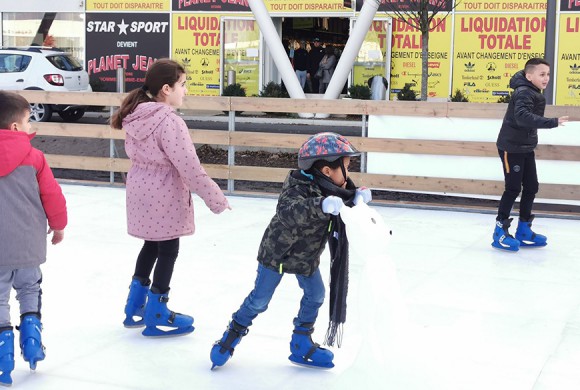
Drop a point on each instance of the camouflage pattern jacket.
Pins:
(297, 234)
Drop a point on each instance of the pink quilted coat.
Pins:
(165, 170)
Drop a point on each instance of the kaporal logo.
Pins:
(100, 26)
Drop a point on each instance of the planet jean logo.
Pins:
(112, 62)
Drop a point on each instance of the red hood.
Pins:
(14, 147)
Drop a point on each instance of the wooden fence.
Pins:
(240, 140)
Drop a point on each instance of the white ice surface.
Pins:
(474, 317)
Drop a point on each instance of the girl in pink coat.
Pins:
(165, 171)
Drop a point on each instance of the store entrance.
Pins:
(317, 36)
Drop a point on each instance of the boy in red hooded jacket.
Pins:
(30, 197)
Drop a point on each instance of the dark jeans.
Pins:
(315, 83)
(519, 170)
(164, 253)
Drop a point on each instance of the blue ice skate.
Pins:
(6, 356)
(223, 349)
(135, 306)
(307, 353)
(527, 237)
(31, 339)
(158, 315)
(502, 239)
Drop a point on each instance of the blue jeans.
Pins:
(266, 282)
(302, 74)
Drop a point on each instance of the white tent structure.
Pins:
(344, 65)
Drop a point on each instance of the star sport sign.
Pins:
(129, 41)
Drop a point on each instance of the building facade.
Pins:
(474, 48)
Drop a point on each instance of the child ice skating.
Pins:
(165, 170)
(307, 216)
(31, 197)
(516, 142)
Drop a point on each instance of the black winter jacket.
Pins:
(301, 61)
(525, 114)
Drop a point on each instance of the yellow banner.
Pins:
(306, 6)
(242, 53)
(128, 5)
(503, 5)
(195, 43)
(407, 56)
(489, 49)
(371, 58)
(275, 6)
(568, 82)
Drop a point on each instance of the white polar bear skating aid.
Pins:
(382, 314)
(368, 237)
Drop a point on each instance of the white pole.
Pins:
(351, 49)
(275, 45)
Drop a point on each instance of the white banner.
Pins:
(42, 6)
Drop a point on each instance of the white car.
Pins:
(47, 69)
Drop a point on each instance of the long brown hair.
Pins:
(161, 72)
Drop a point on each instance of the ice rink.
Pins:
(466, 316)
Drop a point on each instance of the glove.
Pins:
(363, 194)
(332, 205)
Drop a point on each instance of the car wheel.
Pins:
(72, 114)
(40, 112)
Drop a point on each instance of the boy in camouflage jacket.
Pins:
(307, 214)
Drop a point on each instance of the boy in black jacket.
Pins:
(516, 142)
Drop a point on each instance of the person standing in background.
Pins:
(301, 63)
(327, 64)
(315, 56)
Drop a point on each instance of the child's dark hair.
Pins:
(12, 108)
(533, 62)
(319, 164)
(161, 72)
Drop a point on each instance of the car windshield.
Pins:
(65, 62)
(11, 63)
